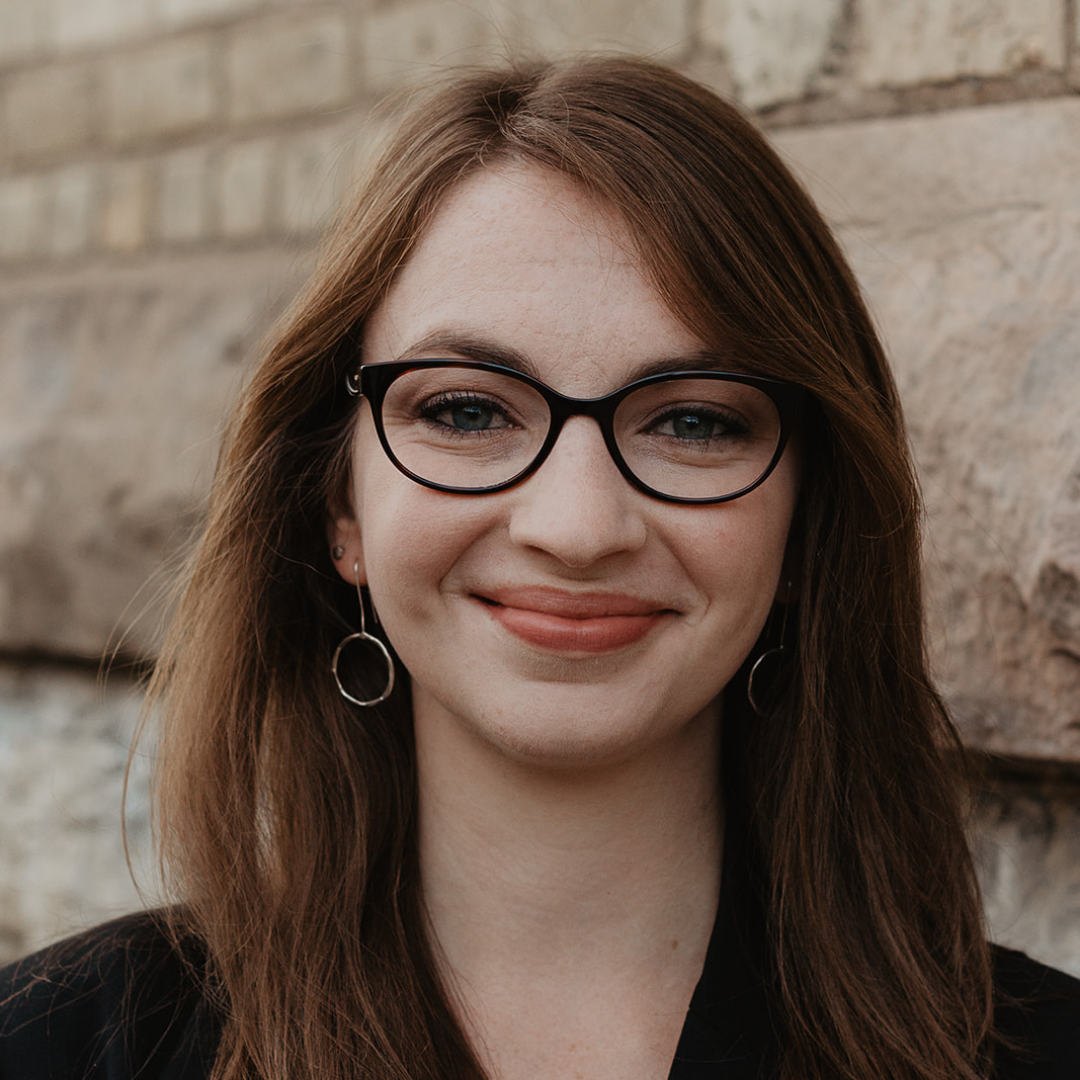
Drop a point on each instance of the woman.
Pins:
(585, 405)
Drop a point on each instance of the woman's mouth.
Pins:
(573, 622)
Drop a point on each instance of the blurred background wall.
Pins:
(165, 169)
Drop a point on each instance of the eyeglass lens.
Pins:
(470, 428)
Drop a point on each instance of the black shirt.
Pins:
(120, 1003)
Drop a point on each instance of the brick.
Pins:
(22, 29)
(288, 65)
(411, 39)
(62, 867)
(182, 196)
(553, 26)
(76, 24)
(313, 170)
(243, 189)
(773, 48)
(183, 13)
(125, 210)
(1027, 850)
(50, 109)
(74, 195)
(22, 217)
(166, 89)
(113, 386)
(937, 40)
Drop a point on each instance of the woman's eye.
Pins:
(697, 425)
(465, 413)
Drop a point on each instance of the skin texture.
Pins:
(555, 761)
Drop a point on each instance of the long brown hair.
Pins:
(288, 821)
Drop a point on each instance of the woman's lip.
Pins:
(571, 605)
(573, 622)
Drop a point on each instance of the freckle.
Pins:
(675, 944)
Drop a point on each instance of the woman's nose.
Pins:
(577, 506)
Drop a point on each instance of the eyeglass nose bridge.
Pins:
(601, 410)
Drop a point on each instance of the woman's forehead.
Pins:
(529, 260)
(536, 213)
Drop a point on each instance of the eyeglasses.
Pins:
(474, 428)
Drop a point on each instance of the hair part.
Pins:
(288, 825)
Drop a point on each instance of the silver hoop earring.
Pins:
(363, 635)
(775, 652)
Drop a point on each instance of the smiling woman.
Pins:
(488, 600)
(583, 420)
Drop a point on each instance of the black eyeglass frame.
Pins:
(375, 380)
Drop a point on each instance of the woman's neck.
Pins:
(530, 868)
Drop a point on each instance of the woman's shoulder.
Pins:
(1038, 1013)
(117, 1001)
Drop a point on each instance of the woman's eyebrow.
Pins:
(699, 360)
(450, 343)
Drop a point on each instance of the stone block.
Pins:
(243, 189)
(114, 384)
(50, 109)
(79, 24)
(288, 64)
(63, 746)
(183, 196)
(162, 90)
(125, 210)
(411, 40)
(22, 29)
(313, 170)
(1027, 848)
(934, 40)
(659, 27)
(184, 13)
(75, 192)
(23, 217)
(964, 228)
(774, 49)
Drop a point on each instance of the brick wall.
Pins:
(132, 125)
(166, 167)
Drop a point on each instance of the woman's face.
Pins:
(571, 619)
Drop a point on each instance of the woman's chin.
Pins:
(594, 735)
(562, 747)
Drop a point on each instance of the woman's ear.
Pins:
(787, 591)
(343, 529)
(346, 549)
